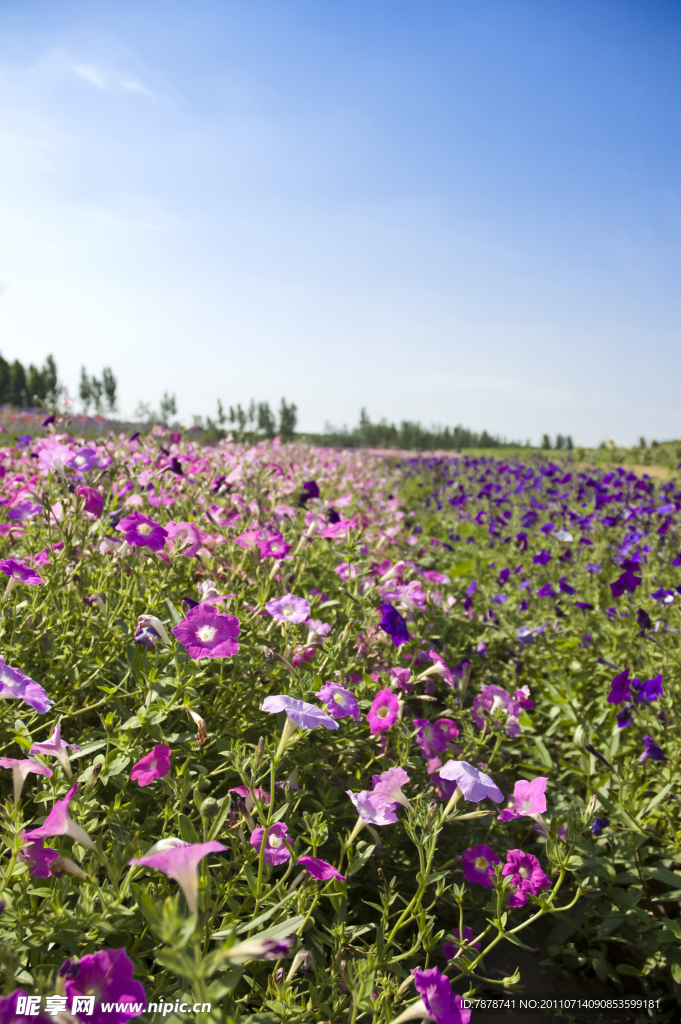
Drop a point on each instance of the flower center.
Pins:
(206, 633)
(275, 841)
(338, 697)
(481, 864)
(383, 712)
(288, 612)
(524, 872)
(144, 528)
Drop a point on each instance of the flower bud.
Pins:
(259, 751)
(209, 808)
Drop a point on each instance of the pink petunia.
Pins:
(383, 712)
(320, 869)
(206, 634)
(154, 765)
(528, 798)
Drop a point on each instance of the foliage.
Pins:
(455, 547)
(28, 387)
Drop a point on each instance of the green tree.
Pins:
(288, 417)
(266, 420)
(110, 385)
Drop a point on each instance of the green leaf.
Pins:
(187, 830)
(360, 860)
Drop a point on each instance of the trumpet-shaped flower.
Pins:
(24, 510)
(53, 455)
(20, 572)
(500, 706)
(371, 809)
(526, 876)
(383, 712)
(340, 703)
(441, 1004)
(58, 823)
(652, 750)
(180, 863)
(393, 624)
(528, 798)
(55, 747)
(108, 976)
(183, 538)
(305, 716)
(154, 765)
(288, 608)
(259, 949)
(93, 502)
(276, 850)
(21, 769)
(39, 858)
(83, 460)
(474, 784)
(620, 688)
(320, 869)
(206, 634)
(141, 531)
(388, 786)
(478, 864)
(14, 684)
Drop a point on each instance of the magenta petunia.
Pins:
(478, 864)
(14, 1009)
(142, 531)
(154, 765)
(288, 609)
(20, 572)
(246, 793)
(39, 858)
(320, 869)
(526, 876)
(276, 850)
(183, 538)
(388, 787)
(180, 862)
(383, 712)
(108, 975)
(59, 823)
(93, 502)
(340, 703)
(207, 634)
(441, 1004)
(21, 769)
(56, 747)
(14, 684)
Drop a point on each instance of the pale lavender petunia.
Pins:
(371, 809)
(207, 634)
(53, 455)
(180, 863)
(305, 716)
(474, 784)
(14, 684)
(288, 608)
(340, 702)
(388, 786)
(58, 823)
(56, 747)
(21, 769)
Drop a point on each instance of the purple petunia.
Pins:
(619, 688)
(93, 502)
(38, 858)
(142, 531)
(393, 624)
(466, 936)
(320, 869)
(340, 703)
(651, 750)
(288, 608)
(305, 716)
(478, 863)
(439, 1002)
(474, 784)
(21, 769)
(83, 460)
(108, 975)
(276, 850)
(59, 823)
(20, 572)
(206, 634)
(14, 684)
(526, 876)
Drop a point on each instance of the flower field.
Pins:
(291, 734)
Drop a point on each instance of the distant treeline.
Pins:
(28, 387)
(407, 435)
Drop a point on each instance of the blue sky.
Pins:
(448, 211)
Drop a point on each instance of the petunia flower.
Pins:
(83, 460)
(371, 809)
(393, 624)
(21, 769)
(55, 747)
(14, 684)
(383, 712)
(154, 765)
(108, 976)
(651, 689)
(206, 634)
(58, 823)
(151, 622)
(434, 737)
(13, 1009)
(288, 608)
(499, 705)
(39, 858)
(401, 677)
(247, 794)
(183, 538)
(259, 949)
(474, 784)
(93, 502)
(441, 668)
(54, 455)
(619, 688)
(438, 1002)
(478, 864)
(276, 850)
(304, 715)
(141, 531)
(526, 876)
(180, 863)
(24, 510)
(320, 869)
(528, 798)
(598, 824)
(340, 703)
(651, 750)
(19, 572)
(626, 583)
(388, 786)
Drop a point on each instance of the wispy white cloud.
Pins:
(91, 75)
(134, 85)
